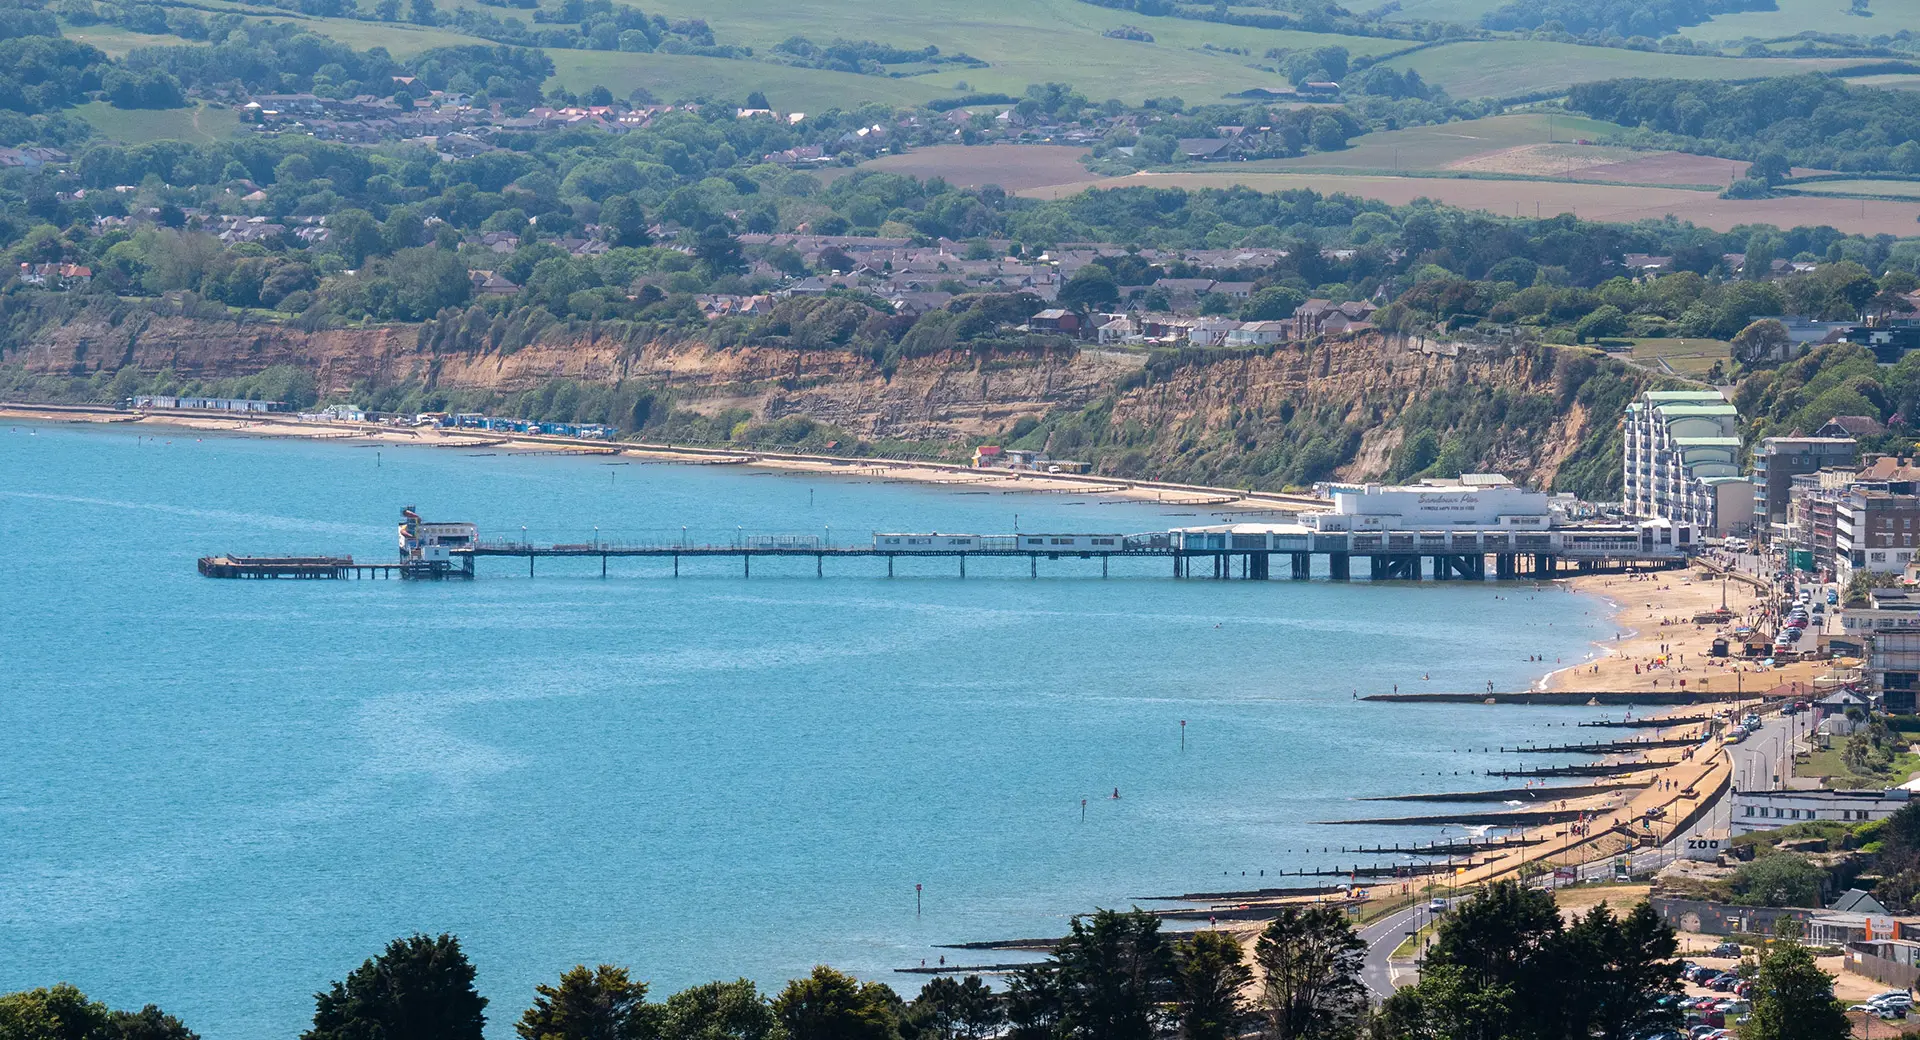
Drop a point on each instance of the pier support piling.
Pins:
(1302, 566)
(1340, 566)
(1033, 565)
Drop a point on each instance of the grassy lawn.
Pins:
(1828, 766)
(1687, 357)
(199, 125)
(1505, 68)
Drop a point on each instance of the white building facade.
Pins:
(1681, 460)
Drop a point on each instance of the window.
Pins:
(1103, 541)
(1036, 541)
(1749, 810)
(1063, 541)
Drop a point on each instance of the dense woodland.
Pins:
(1805, 121)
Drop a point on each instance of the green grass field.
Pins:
(1508, 68)
(115, 41)
(675, 76)
(1026, 42)
(1462, 12)
(1863, 186)
(1432, 148)
(1888, 81)
(1687, 357)
(1797, 16)
(200, 125)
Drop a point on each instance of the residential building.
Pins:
(1756, 810)
(1778, 460)
(1874, 531)
(1681, 460)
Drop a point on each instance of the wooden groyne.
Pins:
(1657, 722)
(1609, 747)
(1567, 698)
(1508, 794)
(1244, 895)
(1517, 818)
(1608, 769)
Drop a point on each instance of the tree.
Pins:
(625, 222)
(719, 251)
(1782, 879)
(353, 233)
(962, 1010)
(148, 1023)
(419, 987)
(1091, 286)
(62, 1012)
(591, 1004)
(1761, 341)
(1328, 134)
(1793, 999)
(1310, 963)
(830, 1005)
(1613, 970)
(1275, 303)
(717, 1010)
(1497, 970)
(1114, 972)
(1034, 1004)
(1209, 971)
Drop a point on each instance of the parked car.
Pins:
(1727, 949)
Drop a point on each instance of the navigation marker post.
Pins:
(1183, 734)
(916, 899)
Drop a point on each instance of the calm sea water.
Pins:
(219, 795)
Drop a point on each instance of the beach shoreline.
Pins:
(1272, 504)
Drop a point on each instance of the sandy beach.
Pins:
(1225, 502)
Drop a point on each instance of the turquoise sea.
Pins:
(219, 795)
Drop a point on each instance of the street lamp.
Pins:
(523, 534)
(596, 536)
(828, 528)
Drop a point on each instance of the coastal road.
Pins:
(1382, 938)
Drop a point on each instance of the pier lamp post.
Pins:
(828, 528)
(739, 534)
(596, 536)
(523, 534)
(683, 535)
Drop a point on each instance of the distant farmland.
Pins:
(1589, 201)
(1015, 167)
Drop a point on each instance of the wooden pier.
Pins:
(444, 550)
(324, 568)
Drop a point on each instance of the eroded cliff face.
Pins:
(1367, 383)
(1151, 423)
